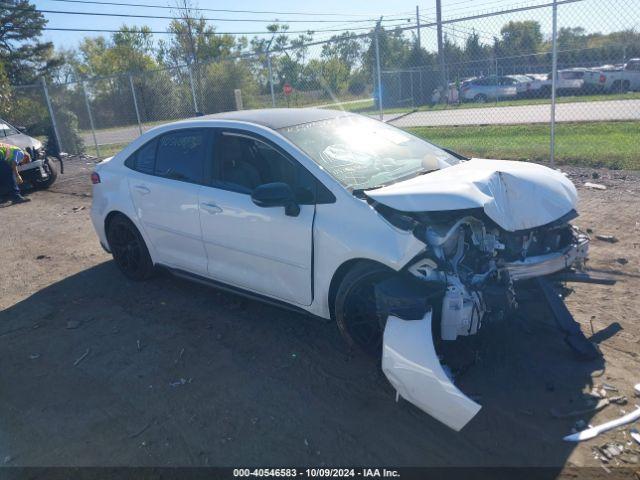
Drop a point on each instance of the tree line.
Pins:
(194, 59)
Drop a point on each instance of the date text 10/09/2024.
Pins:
(316, 472)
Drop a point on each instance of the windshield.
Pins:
(6, 130)
(362, 153)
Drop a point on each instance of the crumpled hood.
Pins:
(515, 195)
(23, 141)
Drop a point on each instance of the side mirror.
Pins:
(21, 128)
(277, 194)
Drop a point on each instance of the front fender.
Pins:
(410, 363)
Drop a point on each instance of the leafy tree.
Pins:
(521, 38)
(24, 56)
(127, 51)
(346, 47)
(193, 40)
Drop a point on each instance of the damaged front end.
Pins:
(467, 274)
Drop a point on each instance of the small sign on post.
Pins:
(287, 89)
(237, 93)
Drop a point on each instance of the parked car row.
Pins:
(570, 81)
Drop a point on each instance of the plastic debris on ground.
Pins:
(607, 238)
(597, 430)
(182, 381)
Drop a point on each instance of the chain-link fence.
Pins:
(484, 83)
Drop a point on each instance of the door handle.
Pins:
(211, 207)
(142, 189)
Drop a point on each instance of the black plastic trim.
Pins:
(238, 291)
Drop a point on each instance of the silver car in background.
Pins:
(482, 89)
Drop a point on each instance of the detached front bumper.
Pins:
(30, 166)
(549, 263)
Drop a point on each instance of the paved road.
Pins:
(566, 112)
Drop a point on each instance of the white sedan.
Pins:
(344, 217)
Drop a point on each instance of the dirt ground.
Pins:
(97, 370)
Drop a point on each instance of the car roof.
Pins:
(276, 118)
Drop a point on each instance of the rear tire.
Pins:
(129, 249)
(355, 308)
(52, 168)
(480, 98)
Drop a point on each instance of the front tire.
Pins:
(52, 169)
(129, 249)
(356, 311)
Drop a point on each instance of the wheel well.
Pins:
(339, 274)
(110, 217)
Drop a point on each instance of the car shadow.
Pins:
(98, 370)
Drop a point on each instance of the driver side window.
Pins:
(245, 163)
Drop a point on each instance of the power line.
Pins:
(448, 7)
(197, 9)
(166, 17)
(264, 32)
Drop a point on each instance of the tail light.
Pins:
(602, 78)
(465, 89)
(95, 178)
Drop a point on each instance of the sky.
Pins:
(594, 15)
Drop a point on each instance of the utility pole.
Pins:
(418, 25)
(554, 76)
(273, 95)
(379, 73)
(443, 74)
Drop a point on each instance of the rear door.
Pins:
(165, 186)
(255, 248)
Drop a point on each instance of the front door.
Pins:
(256, 248)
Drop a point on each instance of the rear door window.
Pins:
(143, 160)
(181, 156)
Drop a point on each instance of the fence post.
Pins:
(193, 91)
(273, 95)
(93, 129)
(441, 59)
(135, 103)
(51, 114)
(379, 74)
(554, 74)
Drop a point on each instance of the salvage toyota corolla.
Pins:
(406, 245)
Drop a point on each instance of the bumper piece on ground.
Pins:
(410, 363)
(565, 321)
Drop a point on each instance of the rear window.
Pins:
(143, 160)
(572, 75)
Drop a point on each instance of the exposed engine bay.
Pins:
(475, 263)
(467, 275)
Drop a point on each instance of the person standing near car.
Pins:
(10, 157)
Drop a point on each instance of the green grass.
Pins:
(598, 144)
(368, 108)
(105, 150)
